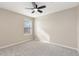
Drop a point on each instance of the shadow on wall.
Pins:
(42, 35)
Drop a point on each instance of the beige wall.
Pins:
(58, 28)
(78, 26)
(11, 27)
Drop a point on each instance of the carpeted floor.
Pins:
(37, 48)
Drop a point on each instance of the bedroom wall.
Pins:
(59, 28)
(11, 27)
(77, 26)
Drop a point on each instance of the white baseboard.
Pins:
(64, 46)
(13, 44)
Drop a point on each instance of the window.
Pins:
(27, 26)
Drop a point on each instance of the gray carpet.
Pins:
(36, 48)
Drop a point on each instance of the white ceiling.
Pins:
(51, 7)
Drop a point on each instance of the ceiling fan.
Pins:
(36, 8)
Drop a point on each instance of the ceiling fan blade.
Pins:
(40, 11)
(33, 11)
(34, 4)
(42, 7)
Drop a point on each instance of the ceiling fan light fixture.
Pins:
(35, 9)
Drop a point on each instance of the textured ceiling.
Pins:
(51, 7)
